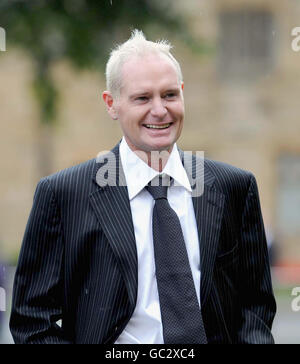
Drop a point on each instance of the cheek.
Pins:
(178, 110)
(130, 122)
(133, 115)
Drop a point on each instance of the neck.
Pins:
(155, 159)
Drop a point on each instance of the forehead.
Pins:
(153, 70)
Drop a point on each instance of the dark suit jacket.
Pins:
(78, 260)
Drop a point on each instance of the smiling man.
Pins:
(150, 107)
(149, 99)
(150, 262)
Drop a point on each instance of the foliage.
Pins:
(81, 31)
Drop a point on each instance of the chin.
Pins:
(160, 146)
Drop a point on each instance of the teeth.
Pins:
(157, 126)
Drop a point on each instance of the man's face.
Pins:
(151, 107)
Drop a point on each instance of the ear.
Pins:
(182, 86)
(110, 104)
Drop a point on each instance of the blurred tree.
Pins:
(81, 31)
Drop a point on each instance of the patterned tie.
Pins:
(181, 315)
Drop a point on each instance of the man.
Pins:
(120, 257)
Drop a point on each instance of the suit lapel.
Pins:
(112, 208)
(208, 205)
(208, 212)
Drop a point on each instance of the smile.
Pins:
(151, 126)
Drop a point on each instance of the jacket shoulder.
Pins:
(71, 177)
(229, 177)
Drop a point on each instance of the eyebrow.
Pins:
(139, 93)
(144, 92)
(176, 89)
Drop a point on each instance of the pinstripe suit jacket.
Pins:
(78, 260)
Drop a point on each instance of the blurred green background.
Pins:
(240, 62)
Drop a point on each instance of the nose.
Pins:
(158, 108)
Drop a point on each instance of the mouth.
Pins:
(160, 126)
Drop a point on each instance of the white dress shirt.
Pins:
(145, 325)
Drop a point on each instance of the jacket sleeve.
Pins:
(258, 303)
(37, 292)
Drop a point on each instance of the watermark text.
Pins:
(296, 41)
(2, 299)
(110, 172)
(2, 40)
(296, 300)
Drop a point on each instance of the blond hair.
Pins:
(136, 45)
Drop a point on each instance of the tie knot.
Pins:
(158, 187)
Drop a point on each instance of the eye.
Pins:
(170, 95)
(142, 99)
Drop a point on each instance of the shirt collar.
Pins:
(138, 174)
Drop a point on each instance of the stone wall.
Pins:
(248, 124)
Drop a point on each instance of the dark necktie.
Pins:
(181, 315)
